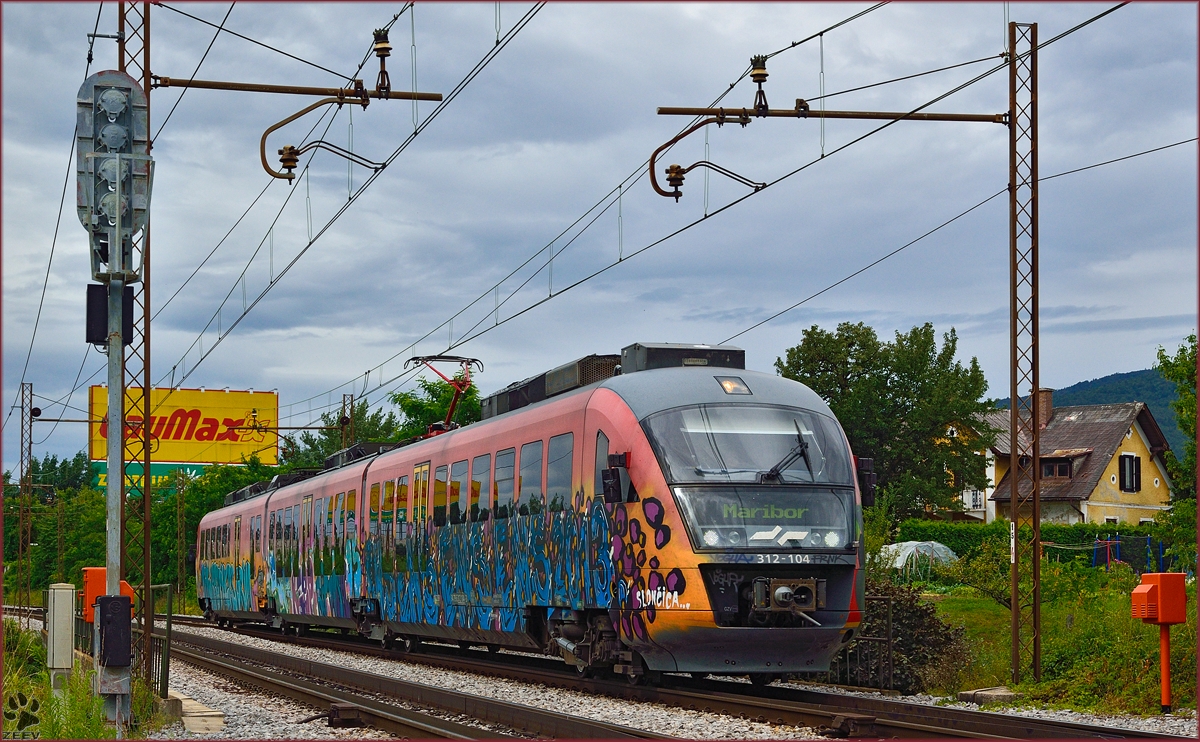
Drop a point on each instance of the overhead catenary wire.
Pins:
(619, 189)
(203, 57)
(491, 54)
(938, 228)
(788, 175)
(277, 50)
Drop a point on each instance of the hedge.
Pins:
(965, 538)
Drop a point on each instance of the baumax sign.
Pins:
(194, 425)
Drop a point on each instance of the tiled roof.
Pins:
(1088, 435)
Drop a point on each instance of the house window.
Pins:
(974, 500)
(1110, 519)
(1145, 521)
(1130, 470)
(1056, 469)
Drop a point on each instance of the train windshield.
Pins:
(749, 443)
(767, 518)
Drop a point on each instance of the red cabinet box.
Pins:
(1160, 599)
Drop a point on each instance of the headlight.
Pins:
(814, 539)
(711, 537)
(832, 539)
(735, 537)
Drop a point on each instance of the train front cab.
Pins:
(722, 566)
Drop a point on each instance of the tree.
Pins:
(313, 448)
(907, 404)
(1181, 369)
(431, 402)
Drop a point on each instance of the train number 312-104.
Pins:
(784, 558)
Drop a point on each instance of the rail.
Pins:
(835, 712)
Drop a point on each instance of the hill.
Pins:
(1136, 386)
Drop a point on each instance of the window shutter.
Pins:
(1123, 473)
(1137, 474)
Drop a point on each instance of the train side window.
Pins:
(530, 502)
(439, 496)
(559, 458)
(319, 536)
(389, 507)
(295, 545)
(285, 541)
(306, 533)
(373, 512)
(481, 471)
(402, 505)
(225, 541)
(352, 525)
(505, 477)
(420, 493)
(601, 462)
(460, 485)
(339, 534)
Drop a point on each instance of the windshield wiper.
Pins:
(799, 451)
(705, 471)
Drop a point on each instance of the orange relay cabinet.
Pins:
(1161, 598)
(93, 587)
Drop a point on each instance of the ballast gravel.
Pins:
(653, 717)
(1182, 723)
(667, 720)
(249, 713)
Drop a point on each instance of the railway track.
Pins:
(838, 714)
(320, 684)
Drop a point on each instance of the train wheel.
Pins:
(699, 675)
(762, 678)
(388, 641)
(493, 649)
(412, 644)
(585, 671)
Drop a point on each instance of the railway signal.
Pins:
(114, 179)
(1021, 120)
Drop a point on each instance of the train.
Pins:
(664, 510)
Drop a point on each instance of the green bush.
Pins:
(966, 538)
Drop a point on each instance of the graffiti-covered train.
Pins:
(674, 513)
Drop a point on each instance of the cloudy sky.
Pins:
(561, 121)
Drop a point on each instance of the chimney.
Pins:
(1045, 406)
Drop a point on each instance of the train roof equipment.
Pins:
(596, 368)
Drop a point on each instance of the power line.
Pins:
(68, 397)
(906, 77)
(57, 223)
(731, 204)
(946, 223)
(256, 41)
(487, 58)
(193, 77)
(630, 179)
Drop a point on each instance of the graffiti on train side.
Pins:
(473, 575)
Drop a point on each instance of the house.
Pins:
(1099, 464)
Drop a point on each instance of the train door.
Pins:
(418, 511)
(238, 587)
(306, 519)
(420, 492)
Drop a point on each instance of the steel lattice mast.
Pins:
(1025, 412)
(133, 29)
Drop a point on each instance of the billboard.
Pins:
(162, 476)
(194, 425)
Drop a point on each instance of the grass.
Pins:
(31, 708)
(1095, 656)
